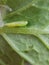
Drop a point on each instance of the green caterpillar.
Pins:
(16, 24)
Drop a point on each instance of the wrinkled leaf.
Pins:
(32, 48)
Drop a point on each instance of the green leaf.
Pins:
(7, 55)
(38, 20)
(35, 16)
(31, 42)
(44, 4)
(19, 5)
(30, 47)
